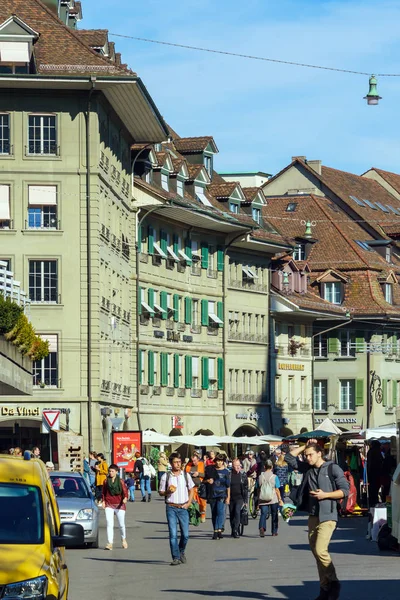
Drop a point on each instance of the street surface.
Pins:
(250, 568)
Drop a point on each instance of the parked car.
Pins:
(76, 503)
(32, 538)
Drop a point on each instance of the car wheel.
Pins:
(94, 544)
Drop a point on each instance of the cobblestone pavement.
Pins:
(272, 568)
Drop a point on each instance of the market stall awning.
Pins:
(158, 439)
(328, 425)
(198, 440)
(309, 435)
(379, 433)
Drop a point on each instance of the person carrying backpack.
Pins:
(269, 499)
(143, 473)
(323, 485)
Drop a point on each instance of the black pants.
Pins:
(235, 506)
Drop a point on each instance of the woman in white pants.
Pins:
(114, 498)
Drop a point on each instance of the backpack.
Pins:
(267, 490)
(347, 504)
(146, 468)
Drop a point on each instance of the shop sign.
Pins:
(345, 420)
(176, 422)
(70, 452)
(251, 416)
(124, 446)
(27, 411)
(290, 366)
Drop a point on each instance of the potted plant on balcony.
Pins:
(294, 346)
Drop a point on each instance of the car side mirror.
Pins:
(71, 534)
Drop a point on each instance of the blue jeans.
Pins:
(145, 485)
(218, 510)
(272, 510)
(177, 516)
(131, 491)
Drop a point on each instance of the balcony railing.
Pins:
(248, 285)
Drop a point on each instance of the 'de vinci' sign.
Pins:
(19, 411)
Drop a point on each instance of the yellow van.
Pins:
(32, 539)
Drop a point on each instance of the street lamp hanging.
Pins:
(372, 97)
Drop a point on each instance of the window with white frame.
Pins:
(45, 371)
(199, 192)
(7, 262)
(234, 207)
(195, 372)
(156, 370)
(208, 164)
(256, 214)
(291, 397)
(212, 314)
(278, 389)
(5, 212)
(211, 260)
(5, 147)
(388, 291)
(142, 374)
(164, 182)
(179, 188)
(332, 292)
(320, 394)
(212, 377)
(43, 281)
(321, 346)
(299, 252)
(195, 312)
(347, 343)
(42, 134)
(42, 207)
(347, 394)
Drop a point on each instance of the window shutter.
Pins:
(176, 244)
(150, 240)
(204, 373)
(333, 345)
(176, 307)
(204, 312)
(140, 237)
(394, 393)
(176, 370)
(163, 241)
(384, 392)
(220, 313)
(151, 367)
(188, 250)
(140, 366)
(204, 255)
(164, 304)
(359, 392)
(359, 345)
(150, 296)
(220, 362)
(220, 259)
(188, 310)
(188, 372)
(139, 300)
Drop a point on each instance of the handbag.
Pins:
(244, 516)
(202, 491)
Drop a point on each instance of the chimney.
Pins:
(118, 58)
(52, 5)
(315, 165)
(303, 158)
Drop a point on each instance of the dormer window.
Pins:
(233, 207)
(291, 207)
(333, 292)
(164, 182)
(14, 57)
(180, 188)
(208, 164)
(256, 214)
(199, 192)
(388, 254)
(388, 292)
(299, 252)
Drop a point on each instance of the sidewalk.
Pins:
(251, 568)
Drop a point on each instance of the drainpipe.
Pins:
(270, 321)
(89, 266)
(226, 320)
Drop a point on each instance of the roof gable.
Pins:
(331, 275)
(13, 26)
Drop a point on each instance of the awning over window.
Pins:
(158, 308)
(159, 251)
(172, 254)
(4, 202)
(249, 272)
(14, 52)
(147, 308)
(39, 195)
(184, 256)
(216, 319)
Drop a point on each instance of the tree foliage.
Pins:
(16, 328)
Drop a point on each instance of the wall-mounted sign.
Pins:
(70, 452)
(176, 422)
(290, 366)
(251, 416)
(28, 411)
(347, 420)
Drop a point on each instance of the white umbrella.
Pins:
(328, 425)
(250, 441)
(379, 433)
(197, 440)
(158, 439)
(271, 438)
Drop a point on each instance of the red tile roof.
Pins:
(193, 144)
(222, 190)
(393, 179)
(96, 38)
(251, 193)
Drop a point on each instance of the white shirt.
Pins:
(181, 494)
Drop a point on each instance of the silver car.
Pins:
(76, 503)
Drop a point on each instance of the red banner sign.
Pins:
(124, 446)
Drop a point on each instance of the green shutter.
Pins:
(359, 345)
(220, 370)
(140, 237)
(188, 372)
(139, 300)
(140, 366)
(151, 367)
(204, 255)
(220, 259)
(188, 250)
(176, 244)
(384, 392)
(164, 304)
(204, 312)
(220, 313)
(176, 370)
(150, 297)
(188, 310)
(163, 241)
(394, 393)
(176, 307)
(150, 240)
(164, 368)
(333, 345)
(359, 392)
(204, 373)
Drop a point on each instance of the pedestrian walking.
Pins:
(281, 469)
(130, 484)
(250, 467)
(269, 499)
(143, 472)
(92, 464)
(374, 470)
(324, 483)
(239, 493)
(196, 468)
(114, 498)
(177, 487)
(162, 466)
(218, 480)
(101, 469)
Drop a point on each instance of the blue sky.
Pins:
(261, 114)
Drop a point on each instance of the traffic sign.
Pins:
(51, 418)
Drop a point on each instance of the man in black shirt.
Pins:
(239, 495)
